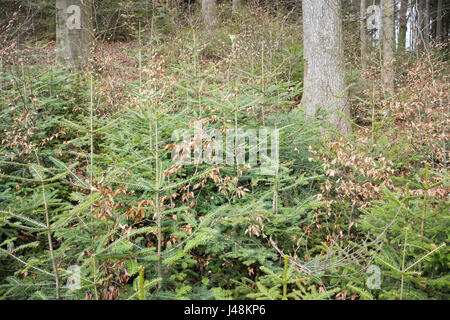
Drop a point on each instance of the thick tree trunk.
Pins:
(209, 12)
(324, 75)
(439, 22)
(363, 35)
(388, 41)
(403, 19)
(74, 32)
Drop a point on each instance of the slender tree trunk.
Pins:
(209, 12)
(426, 23)
(439, 22)
(403, 19)
(236, 5)
(74, 32)
(363, 35)
(354, 5)
(324, 75)
(388, 42)
(445, 30)
(433, 17)
(420, 23)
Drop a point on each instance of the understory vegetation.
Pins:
(88, 186)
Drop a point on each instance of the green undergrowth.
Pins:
(102, 188)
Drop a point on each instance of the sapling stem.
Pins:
(48, 228)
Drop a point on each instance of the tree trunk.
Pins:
(354, 6)
(446, 31)
(324, 74)
(388, 41)
(363, 35)
(236, 5)
(209, 12)
(420, 23)
(403, 19)
(426, 23)
(439, 22)
(74, 32)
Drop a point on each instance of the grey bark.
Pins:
(209, 12)
(324, 74)
(403, 22)
(363, 35)
(439, 22)
(426, 24)
(388, 42)
(74, 32)
(420, 23)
